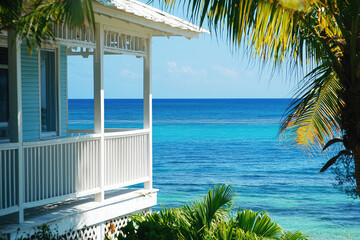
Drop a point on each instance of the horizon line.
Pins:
(182, 98)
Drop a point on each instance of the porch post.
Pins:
(99, 103)
(148, 106)
(15, 111)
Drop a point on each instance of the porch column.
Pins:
(148, 106)
(15, 111)
(99, 103)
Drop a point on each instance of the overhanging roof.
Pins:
(157, 16)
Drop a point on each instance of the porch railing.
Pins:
(58, 169)
(80, 132)
(9, 179)
(126, 158)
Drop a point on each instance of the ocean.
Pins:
(198, 143)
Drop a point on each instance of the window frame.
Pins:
(57, 133)
(3, 44)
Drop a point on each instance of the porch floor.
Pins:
(81, 212)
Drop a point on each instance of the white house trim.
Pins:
(15, 111)
(148, 105)
(56, 50)
(99, 106)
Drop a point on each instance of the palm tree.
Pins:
(321, 35)
(33, 20)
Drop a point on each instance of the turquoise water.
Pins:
(202, 142)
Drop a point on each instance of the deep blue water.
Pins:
(201, 142)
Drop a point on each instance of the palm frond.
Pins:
(259, 223)
(271, 30)
(313, 117)
(294, 236)
(204, 213)
(224, 231)
(34, 20)
(331, 142)
(333, 160)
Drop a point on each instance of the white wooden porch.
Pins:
(87, 162)
(59, 169)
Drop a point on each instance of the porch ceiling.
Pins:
(158, 22)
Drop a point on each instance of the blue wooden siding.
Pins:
(63, 91)
(30, 94)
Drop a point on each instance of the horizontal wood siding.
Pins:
(30, 94)
(63, 91)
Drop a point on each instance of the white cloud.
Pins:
(171, 64)
(194, 72)
(227, 72)
(175, 69)
(129, 74)
(172, 67)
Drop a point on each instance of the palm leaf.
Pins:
(34, 20)
(203, 214)
(294, 236)
(331, 142)
(313, 117)
(333, 160)
(272, 30)
(259, 223)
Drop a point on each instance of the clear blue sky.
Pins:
(182, 68)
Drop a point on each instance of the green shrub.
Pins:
(206, 218)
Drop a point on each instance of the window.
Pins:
(48, 93)
(4, 94)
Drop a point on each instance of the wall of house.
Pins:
(31, 93)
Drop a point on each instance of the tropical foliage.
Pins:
(205, 218)
(320, 36)
(33, 20)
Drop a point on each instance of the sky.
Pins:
(182, 68)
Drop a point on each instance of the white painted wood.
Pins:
(8, 180)
(128, 183)
(59, 141)
(60, 198)
(9, 210)
(99, 102)
(58, 84)
(80, 132)
(114, 36)
(87, 214)
(151, 26)
(14, 73)
(15, 114)
(127, 133)
(65, 33)
(148, 108)
(126, 163)
(52, 172)
(62, 168)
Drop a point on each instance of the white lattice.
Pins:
(83, 36)
(88, 233)
(119, 42)
(114, 41)
(112, 227)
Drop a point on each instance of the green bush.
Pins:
(206, 218)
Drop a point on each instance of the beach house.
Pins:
(78, 182)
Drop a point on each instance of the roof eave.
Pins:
(167, 30)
